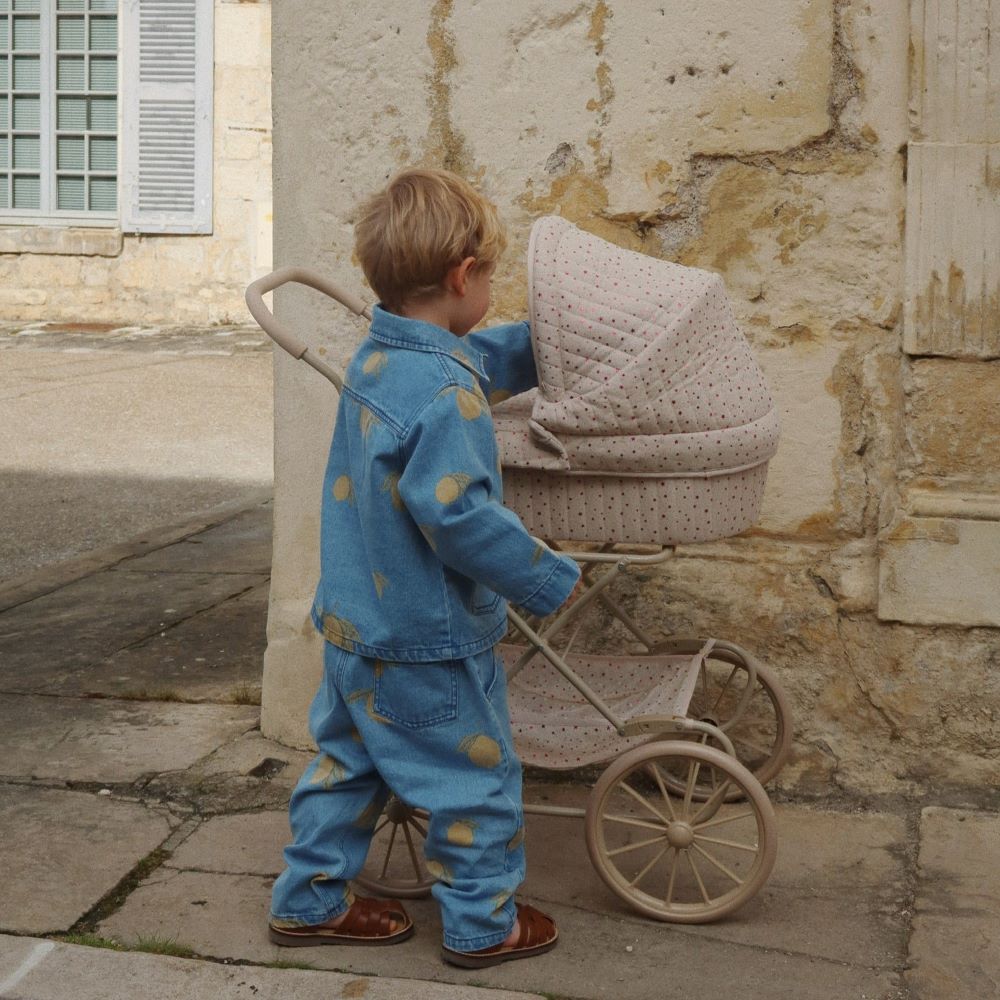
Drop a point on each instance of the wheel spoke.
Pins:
(641, 874)
(642, 799)
(692, 781)
(713, 802)
(750, 848)
(413, 853)
(420, 828)
(697, 875)
(718, 864)
(670, 882)
(380, 827)
(663, 791)
(388, 850)
(725, 688)
(630, 822)
(635, 847)
(719, 820)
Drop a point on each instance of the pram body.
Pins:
(651, 426)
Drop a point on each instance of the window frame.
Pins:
(48, 141)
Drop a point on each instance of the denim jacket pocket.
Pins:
(417, 695)
(484, 600)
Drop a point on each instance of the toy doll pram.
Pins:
(652, 426)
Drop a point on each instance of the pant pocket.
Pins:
(416, 695)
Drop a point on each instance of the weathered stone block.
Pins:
(954, 422)
(941, 571)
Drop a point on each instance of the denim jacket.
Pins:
(418, 552)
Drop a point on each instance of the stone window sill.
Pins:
(66, 241)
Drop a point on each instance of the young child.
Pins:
(418, 555)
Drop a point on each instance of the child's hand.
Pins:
(575, 593)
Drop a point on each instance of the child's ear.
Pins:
(457, 277)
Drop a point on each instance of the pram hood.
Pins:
(642, 369)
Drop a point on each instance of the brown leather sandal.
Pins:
(537, 934)
(368, 922)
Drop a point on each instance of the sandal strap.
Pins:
(373, 918)
(535, 927)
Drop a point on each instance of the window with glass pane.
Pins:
(58, 107)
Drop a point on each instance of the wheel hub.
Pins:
(680, 835)
(397, 811)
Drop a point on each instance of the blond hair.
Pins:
(420, 225)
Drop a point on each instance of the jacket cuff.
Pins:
(557, 587)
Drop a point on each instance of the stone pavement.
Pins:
(142, 809)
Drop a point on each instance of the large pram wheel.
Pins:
(396, 865)
(671, 856)
(755, 716)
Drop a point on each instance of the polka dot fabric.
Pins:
(556, 727)
(652, 421)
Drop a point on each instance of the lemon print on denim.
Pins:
(451, 487)
(462, 832)
(500, 898)
(343, 489)
(482, 750)
(355, 735)
(328, 772)
(438, 870)
(367, 421)
(370, 814)
(537, 554)
(427, 530)
(381, 582)
(340, 631)
(375, 363)
(517, 840)
(390, 485)
(499, 395)
(368, 697)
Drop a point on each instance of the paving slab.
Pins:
(242, 544)
(33, 969)
(955, 946)
(254, 755)
(224, 916)
(837, 891)
(45, 641)
(97, 448)
(245, 844)
(216, 655)
(111, 741)
(61, 851)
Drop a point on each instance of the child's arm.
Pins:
(450, 486)
(507, 358)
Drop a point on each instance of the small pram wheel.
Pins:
(670, 856)
(395, 865)
(758, 721)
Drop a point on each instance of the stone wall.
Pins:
(769, 143)
(99, 275)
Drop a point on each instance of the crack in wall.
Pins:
(445, 144)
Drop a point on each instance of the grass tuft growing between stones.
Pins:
(89, 940)
(281, 964)
(145, 694)
(163, 946)
(245, 694)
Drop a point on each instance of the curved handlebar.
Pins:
(279, 332)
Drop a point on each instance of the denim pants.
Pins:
(438, 736)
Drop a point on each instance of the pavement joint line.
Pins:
(628, 918)
(168, 627)
(35, 958)
(32, 586)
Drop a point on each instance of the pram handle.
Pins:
(279, 332)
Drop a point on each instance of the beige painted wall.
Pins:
(100, 276)
(767, 142)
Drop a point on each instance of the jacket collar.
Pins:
(416, 335)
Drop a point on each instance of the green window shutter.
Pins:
(167, 116)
